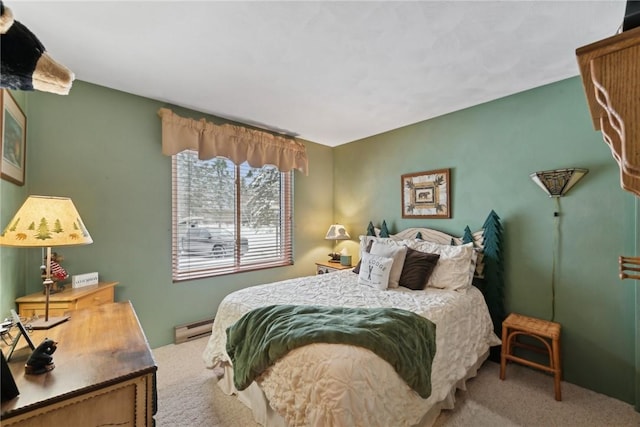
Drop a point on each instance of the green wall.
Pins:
(12, 260)
(637, 288)
(102, 148)
(491, 150)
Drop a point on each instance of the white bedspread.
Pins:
(341, 385)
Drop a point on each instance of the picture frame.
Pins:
(22, 332)
(13, 144)
(426, 194)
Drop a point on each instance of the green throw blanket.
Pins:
(404, 339)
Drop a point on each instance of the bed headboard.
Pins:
(489, 277)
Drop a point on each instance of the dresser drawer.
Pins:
(29, 310)
(123, 404)
(103, 296)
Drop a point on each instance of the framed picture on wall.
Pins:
(13, 129)
(426, 194)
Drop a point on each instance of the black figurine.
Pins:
(41, 360)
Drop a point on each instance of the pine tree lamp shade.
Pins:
(43, 222)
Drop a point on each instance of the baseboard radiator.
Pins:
(192, 331)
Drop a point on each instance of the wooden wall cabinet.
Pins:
(610, 71)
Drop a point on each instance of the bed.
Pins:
(329, 384)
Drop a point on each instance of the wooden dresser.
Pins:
(69, 299)
(104, 374)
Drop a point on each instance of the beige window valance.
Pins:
(237, 143)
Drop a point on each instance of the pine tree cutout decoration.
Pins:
(419, 236)
(371, 231)
(468, 236)
(494, 270)
(384, 231)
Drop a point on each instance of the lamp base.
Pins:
(335, 257)
(46, 324)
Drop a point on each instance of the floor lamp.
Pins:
(43, 222)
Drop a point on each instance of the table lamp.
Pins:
(43, 222)
(336, 232)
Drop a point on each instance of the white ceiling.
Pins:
(328, 72)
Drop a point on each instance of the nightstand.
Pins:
(69, 299)
(323, 267)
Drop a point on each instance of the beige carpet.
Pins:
(189, 397)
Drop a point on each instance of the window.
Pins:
(229, 218)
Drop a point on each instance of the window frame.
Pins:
(182, 274)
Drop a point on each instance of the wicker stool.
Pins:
(542, 330)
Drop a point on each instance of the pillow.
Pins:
(417, 269)
(391, 251)
(455, 267)
(364, 241)
(367, 241)
(367, 249)
(374, 271)
(479, 271)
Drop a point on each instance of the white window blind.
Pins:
(229, 218)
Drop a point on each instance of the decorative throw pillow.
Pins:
(365, 244)
(374, 271)
(365, 241)
(455, 267)
(417, 269)
(366, 250)
(391, 251)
